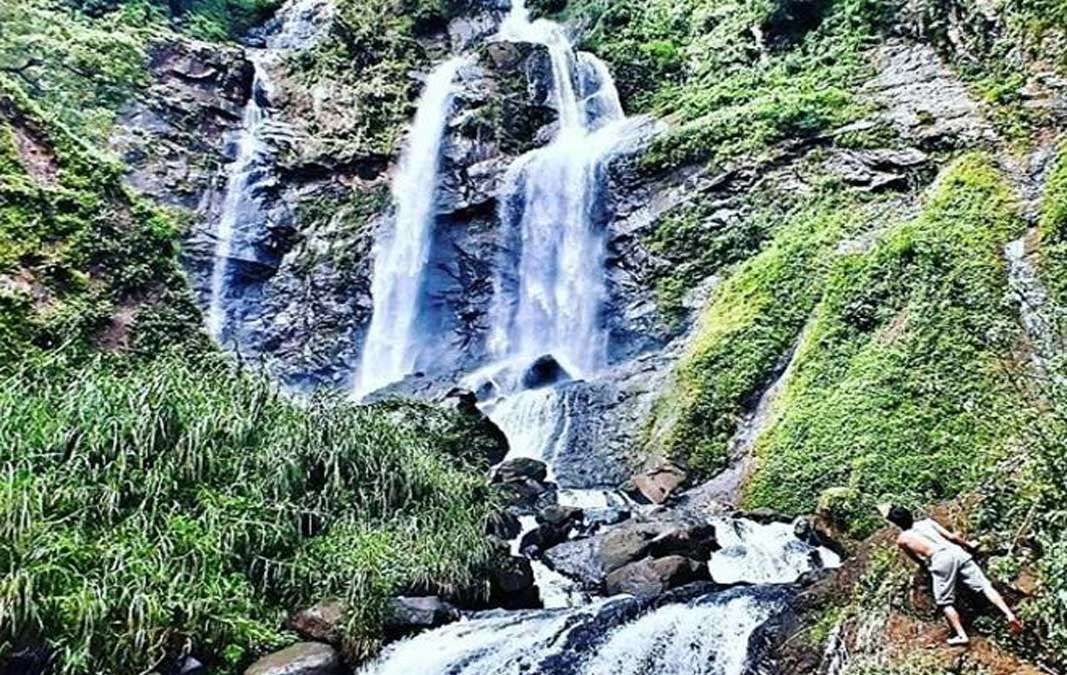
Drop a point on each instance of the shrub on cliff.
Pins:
(149, 510)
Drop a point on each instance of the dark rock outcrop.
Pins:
(408, 615)
(555, 524)
(511, 584)
(544, 372)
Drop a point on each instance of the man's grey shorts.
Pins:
(951, 565)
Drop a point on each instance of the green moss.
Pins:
(898, 388)
(733, 75)
(367, 59)
(1052, 228)
(75, 246)
(697, 241)
(750, 323)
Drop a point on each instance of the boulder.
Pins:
(657, 483)
(696, 541)
(303, 658)
(511, 584)
(409, 615)
(320, 622)
(542, 538)
(473, 435)
(544, 372)
(520, 469)
(560, 516)
(653, 576)
(591, 559)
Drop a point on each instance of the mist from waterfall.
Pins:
(402, 252)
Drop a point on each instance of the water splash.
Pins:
(764, 554)
(707, 635)
(392, 343)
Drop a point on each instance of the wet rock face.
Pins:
(172, 138)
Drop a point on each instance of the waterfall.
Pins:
(239, 200)
(401, 255)
(550, 286)
(241, 219)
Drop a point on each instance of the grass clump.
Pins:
(751, 320)
(151, 510)
(898, 388)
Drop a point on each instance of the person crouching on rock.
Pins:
(943, 553)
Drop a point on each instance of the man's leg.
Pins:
(957, 625)
(974, 577)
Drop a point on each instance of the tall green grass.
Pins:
(170, 508)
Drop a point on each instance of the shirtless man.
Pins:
(943, 553)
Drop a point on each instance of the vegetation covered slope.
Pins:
(897, 389)
(154, 501)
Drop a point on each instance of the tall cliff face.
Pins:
(896, 97)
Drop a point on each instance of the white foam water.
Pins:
(550, 287)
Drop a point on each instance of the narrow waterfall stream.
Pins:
(402, 252)
(238, 202)
(241, 220)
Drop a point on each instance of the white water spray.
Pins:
(392, 343)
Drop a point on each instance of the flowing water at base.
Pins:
(709, 634)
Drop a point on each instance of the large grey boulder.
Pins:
(592, 559)
(303, 658)
(653, 576)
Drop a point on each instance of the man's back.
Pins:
(925, 539)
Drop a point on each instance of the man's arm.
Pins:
(952, 536)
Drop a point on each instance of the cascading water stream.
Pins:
(250, 151)
(392, 342)
(241, 220)
(703, 632)
(550, 287)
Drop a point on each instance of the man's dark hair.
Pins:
(901, 517)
